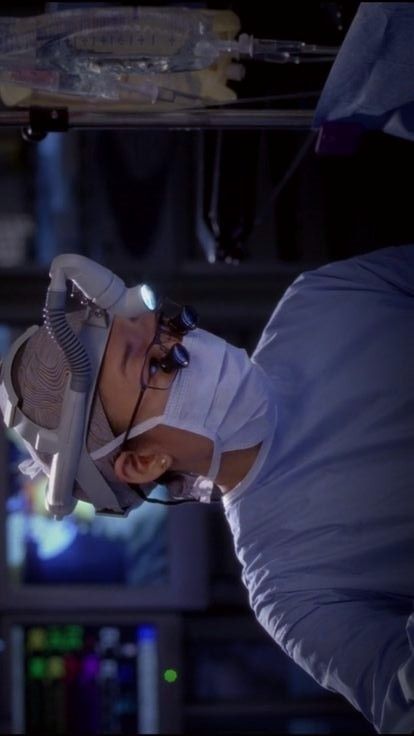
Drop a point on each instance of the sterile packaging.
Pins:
(125, 58)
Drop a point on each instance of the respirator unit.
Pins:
(104, 296)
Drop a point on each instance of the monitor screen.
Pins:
(91, 676)
(82, 548)
(154, 558)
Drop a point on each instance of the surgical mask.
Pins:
(221, 395)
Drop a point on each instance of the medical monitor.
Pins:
(155, 558)
(90, 674)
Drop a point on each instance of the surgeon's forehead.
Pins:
(120, 328)
(117, 391)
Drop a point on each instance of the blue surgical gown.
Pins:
(324, 529)
(371, 80)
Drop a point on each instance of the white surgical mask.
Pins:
(221, 395)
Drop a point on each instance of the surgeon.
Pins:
(309, 444)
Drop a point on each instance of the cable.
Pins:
(282, 183)
(266, 98)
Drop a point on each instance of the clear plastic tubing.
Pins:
(121, 40)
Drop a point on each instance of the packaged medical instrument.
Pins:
(123, 56)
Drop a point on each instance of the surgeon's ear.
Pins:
(132, 466)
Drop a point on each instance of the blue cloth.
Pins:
(372, 79)
(325, 533)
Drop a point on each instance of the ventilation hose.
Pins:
(59, 330)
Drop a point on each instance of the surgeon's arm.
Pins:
(362, 649)
(387, 269)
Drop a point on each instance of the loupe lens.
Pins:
(177, 358)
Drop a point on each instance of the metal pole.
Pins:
(184, 120)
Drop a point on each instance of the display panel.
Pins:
(155, 558)
(39, 550)
(91, 675)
